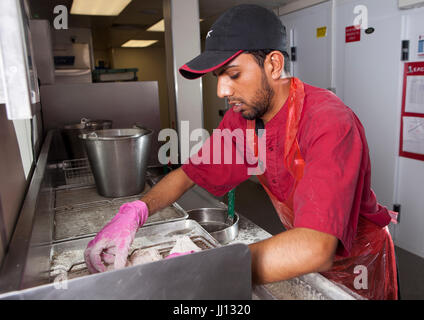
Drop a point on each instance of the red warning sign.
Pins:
(353, 34)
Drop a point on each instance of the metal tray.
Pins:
(77, 171)
(81, 212)
(68, 257)
(87, 196)
(85, 222)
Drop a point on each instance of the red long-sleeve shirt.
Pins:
(336, 186)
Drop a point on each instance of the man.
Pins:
(317, 171)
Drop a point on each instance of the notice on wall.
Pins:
(412, 117)
(413, 135)
(321, 32)
(353, 34)
(414, 102)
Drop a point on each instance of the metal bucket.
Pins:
(70, 132)
(214, 221)
(153, 159)
(118, 159)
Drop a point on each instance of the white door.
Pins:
(313, 50)
(410, 190)
(366, 73)
(367, 76)
(368, 80)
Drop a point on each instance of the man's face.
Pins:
(245, 85)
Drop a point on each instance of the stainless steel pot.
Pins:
(118, 159)
(70, 132)
(98, 125)
(214, 221)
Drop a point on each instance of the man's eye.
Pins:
(235, 76)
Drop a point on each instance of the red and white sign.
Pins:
(353, 34)
(412, 116)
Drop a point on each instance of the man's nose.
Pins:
(224, 89)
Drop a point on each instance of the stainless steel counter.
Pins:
(27, 270)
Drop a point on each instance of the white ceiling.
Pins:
(109, 32)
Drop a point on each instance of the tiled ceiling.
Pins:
(109, 32)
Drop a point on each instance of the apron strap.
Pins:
(293, 160)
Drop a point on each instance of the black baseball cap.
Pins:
(242, 28)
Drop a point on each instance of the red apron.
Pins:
(372, 250)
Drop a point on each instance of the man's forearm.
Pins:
(167, 190)
(291, 254)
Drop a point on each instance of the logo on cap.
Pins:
(209, 34)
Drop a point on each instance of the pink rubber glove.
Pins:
(112, 243)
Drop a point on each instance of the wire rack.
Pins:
(78, 172)
(71, 262)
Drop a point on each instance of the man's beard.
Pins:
(261, 102)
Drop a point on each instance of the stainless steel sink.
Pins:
(45, 257)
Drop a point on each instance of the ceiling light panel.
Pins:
(99, 7)
(158, 27)
(138, 43)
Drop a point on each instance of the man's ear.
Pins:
(276, 60)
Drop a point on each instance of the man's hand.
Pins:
(111, 244)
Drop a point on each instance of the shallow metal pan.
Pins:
(214, 221)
